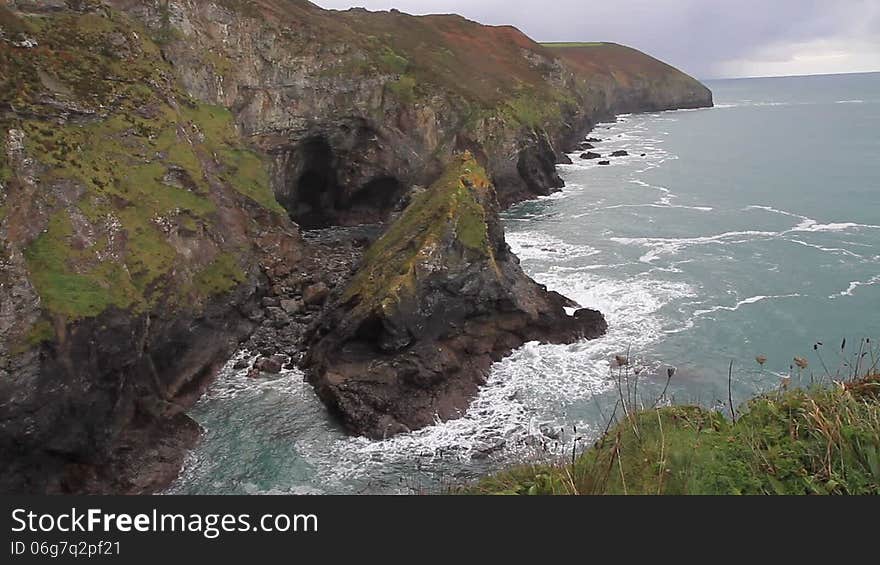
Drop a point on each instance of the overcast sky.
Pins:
(708, 38)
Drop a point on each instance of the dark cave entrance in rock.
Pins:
(377, 198)
(315, 186)
(324, 189)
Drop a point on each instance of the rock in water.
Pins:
(620, 154)
(604, 163)
(589, 156)
(270, 365)
(439, 298)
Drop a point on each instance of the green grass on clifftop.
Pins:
(825, 440)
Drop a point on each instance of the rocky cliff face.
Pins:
(132, 230)
(354, 108)
(158, 158)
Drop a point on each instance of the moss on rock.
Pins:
(221, 276)
(449, 213)
(128, 163)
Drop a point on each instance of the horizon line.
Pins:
(843, 73)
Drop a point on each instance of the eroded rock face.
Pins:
(437, 300)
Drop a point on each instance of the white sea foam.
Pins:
(543, 246)
(854, 286)
(835, 250)
(656, 205)
(741, 303)
(808, 224)
(660, 247)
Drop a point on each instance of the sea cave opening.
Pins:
(317, 194)
(312, 197)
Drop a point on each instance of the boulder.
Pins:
(590, 156)
(269, 365)
(604, 163)
(620, 154)
(292, 307)
(316, 295)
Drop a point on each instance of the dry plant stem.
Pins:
(662, 454)
(730, 391)
(620, 466)
(663, 394)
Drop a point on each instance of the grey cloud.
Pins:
(700, 36)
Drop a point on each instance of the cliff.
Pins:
(132, 224)
(157, 160)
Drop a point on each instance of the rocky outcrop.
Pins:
(438, 299)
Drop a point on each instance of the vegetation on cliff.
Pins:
(820, 440)
(449, 213)
(126, 172)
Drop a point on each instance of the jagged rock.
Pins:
(620, 154)
(594, 140)
(589, 156)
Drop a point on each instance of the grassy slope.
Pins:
(822, 441)
(113, 167)
(485, 65)
(625, 64)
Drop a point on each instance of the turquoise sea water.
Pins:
(749, 229)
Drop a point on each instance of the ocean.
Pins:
(746, 231)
